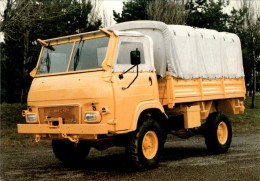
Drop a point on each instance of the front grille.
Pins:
(70, 114)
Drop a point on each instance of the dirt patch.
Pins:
(182, 160)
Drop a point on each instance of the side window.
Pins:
(126, 48)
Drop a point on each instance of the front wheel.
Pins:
(70, 153)
(218, 133)
(145, 145)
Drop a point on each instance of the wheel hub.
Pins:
(222, 132)
(150, 144)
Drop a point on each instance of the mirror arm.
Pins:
(121, 75)
(129, 69)
(124, 88)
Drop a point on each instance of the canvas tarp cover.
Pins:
(188, 52)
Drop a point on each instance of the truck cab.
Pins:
(84, 82)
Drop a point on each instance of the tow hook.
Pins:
(74, 139)
(37, 138)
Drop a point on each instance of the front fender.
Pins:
(144, 106)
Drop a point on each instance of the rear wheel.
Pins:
(145, 145)
(69, 152)
(218, 133)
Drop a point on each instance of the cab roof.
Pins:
(98, 32)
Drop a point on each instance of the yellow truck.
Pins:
(130, 85)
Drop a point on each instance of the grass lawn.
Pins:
(11, 116)
(250, 120)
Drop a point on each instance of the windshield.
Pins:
(56, 59)
(87, 54)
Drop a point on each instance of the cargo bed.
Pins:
(173, 90)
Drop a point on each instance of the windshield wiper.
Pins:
(77, 55)
(48, 62)
(76, 59)
(50, 47)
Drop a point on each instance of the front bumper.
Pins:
(80, 129)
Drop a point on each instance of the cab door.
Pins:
(126, 96)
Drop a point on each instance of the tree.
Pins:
(207, 14)
(26, 20)
(132, 10)
(169, 12)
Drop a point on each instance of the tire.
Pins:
(145, 145)
(218, 133)
(69, 153)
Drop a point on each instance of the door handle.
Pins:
(151, 80)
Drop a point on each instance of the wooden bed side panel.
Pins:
(173, 90)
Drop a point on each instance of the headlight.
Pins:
(31, 118)
(92, 117)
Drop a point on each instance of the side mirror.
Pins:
(135, 57)
(33, 72)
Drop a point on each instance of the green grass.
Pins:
(11, 116)
(250, 120)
